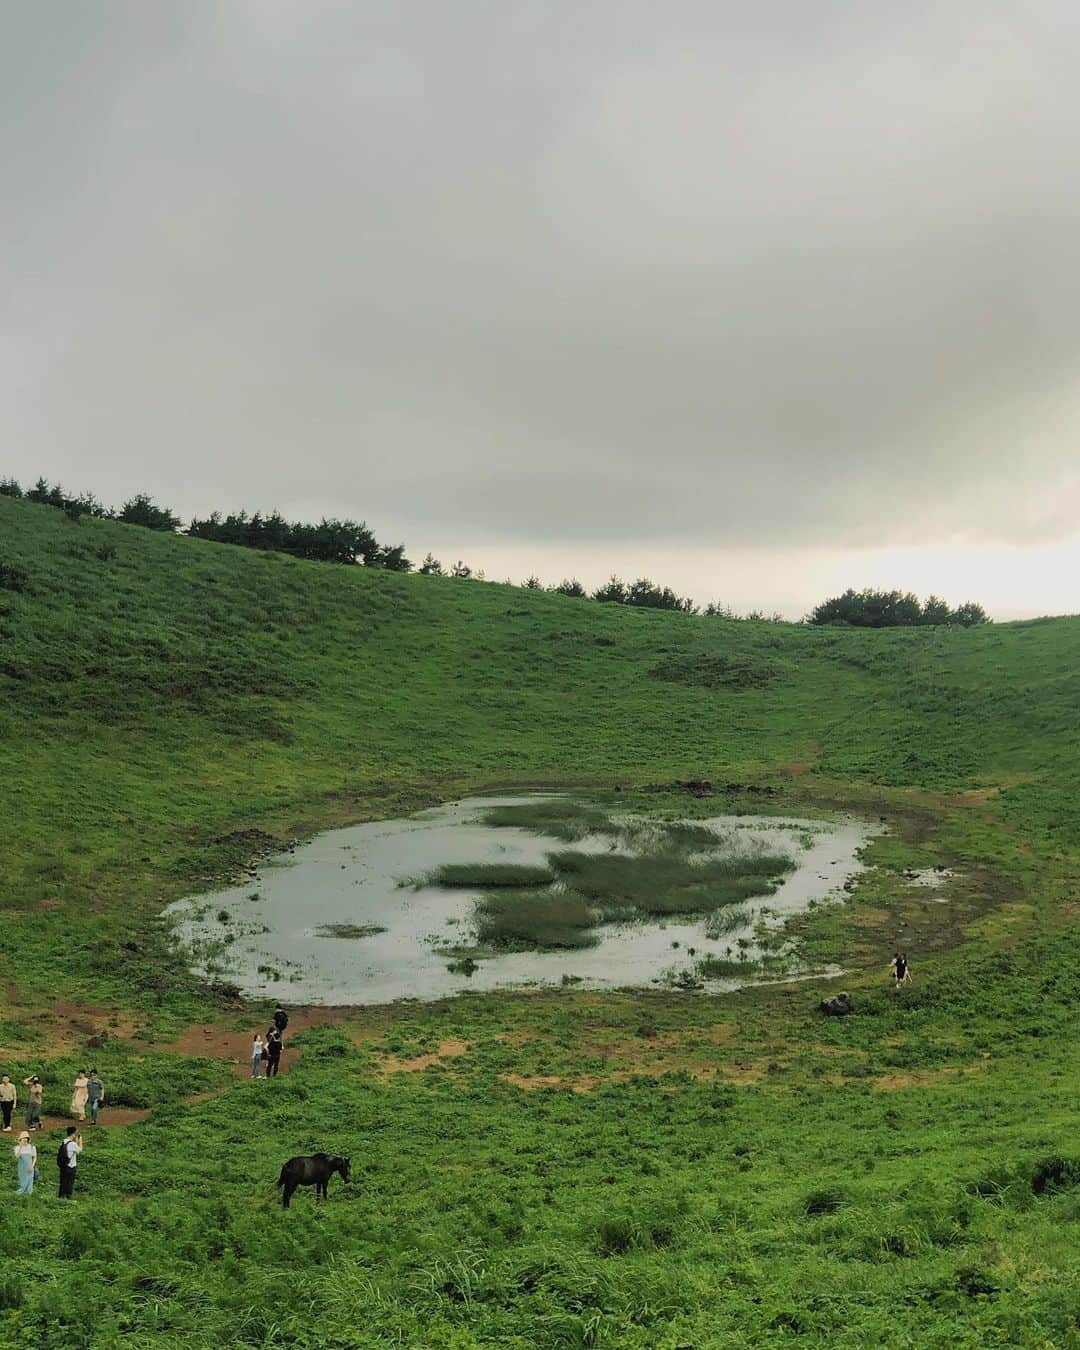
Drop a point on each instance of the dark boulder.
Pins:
(837, 1006)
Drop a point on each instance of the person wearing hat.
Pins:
(26, 1160)
(33, 1102)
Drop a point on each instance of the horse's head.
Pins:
(343, 1167)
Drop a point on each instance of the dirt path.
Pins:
(209, 1040)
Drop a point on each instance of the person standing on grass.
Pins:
(273, 1051)
(79, 1096)
(67, 1159)
(256, 1055)
(8, 1101)
(899, 968)
(95, 1095)
(26, 1162)
(33, 1102)
(281, 1021)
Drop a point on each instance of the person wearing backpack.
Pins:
(67, 1159)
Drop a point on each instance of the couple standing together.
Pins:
(67, 1161)
(270, 1052)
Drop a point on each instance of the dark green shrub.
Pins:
(1053, 1174)
(13, 578)
(825, 1201)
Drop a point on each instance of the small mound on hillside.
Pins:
(715, 671)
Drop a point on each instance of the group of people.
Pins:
(67, 1161)
(266, 1054)
(88, 1094)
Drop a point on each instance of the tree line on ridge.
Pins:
(352, 542)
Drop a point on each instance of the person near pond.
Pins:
(33, 1101)
(67, 1160)
(26, 1163)
(95, 1095)
(8, 1101)
(256, 1055)
(79, 1096)
(273, 1051)
(281, 1021)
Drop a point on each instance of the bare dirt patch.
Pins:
(65, 1027)
(894, 1082)
(453, 1047)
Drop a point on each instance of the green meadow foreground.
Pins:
(650, 1169)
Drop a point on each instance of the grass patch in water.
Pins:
(726, 921)
(348, 930)
(667, 882)
(687, 834)
(489, 874)
(531, 920)
(721, 967)
(566, 820)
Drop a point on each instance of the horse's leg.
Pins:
(286, 1194)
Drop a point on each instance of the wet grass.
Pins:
(725, 921)
(668, 882)
(349, 930)
(687, 834)
(535, 921)
(561, 818)
(480, 875)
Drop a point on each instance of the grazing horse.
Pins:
(313, 1171)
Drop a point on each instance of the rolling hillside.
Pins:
(907, 1176)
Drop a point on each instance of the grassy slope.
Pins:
(157, 693)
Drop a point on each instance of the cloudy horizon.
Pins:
(760, 301)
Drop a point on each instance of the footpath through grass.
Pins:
(645, 1170)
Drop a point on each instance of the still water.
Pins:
(274, 936)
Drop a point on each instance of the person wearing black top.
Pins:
(900, 969)
(67, 1159)
(273, 1051)
(281, 1021)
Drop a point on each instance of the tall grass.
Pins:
(480, 875)
(561, 819)
(667, 882)
(527, 920)
(726, 921)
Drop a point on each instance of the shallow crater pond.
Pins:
(516, 891)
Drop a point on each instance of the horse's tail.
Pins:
(281, 1179)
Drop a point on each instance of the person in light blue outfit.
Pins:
(26, 1157)
(256, 1056)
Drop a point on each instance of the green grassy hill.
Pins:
(908, 1176)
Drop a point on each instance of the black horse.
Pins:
(314, 1171)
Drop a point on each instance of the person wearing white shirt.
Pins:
(67, 1160)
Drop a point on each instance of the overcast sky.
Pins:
(759, 298)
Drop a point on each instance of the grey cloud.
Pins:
(732, 274)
